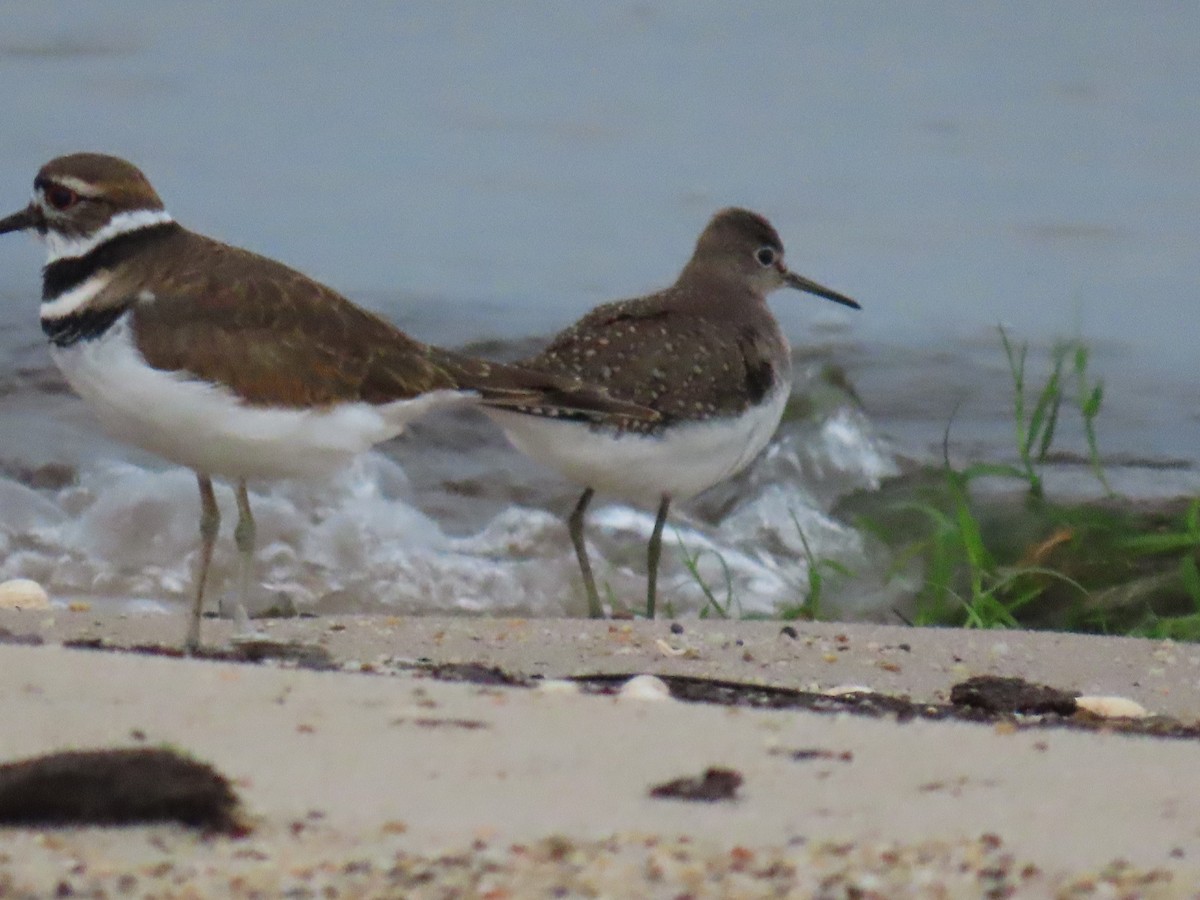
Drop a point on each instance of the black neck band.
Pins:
(62, 275)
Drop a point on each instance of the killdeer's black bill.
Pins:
(20, 221)
(706, 354)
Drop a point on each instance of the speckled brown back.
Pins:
(679, 357)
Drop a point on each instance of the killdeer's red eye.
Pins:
(61, 197)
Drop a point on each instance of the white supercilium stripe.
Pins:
(75, 299)
(78, 185)
(61, 247)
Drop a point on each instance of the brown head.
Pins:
(742, 247)
(77, 197)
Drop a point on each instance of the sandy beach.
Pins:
(366, 777)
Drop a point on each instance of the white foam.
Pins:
(358, 541)
(25, 510)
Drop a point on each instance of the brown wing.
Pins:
(272, 335)
(276, 337)
(678, 363)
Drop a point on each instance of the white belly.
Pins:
(207, 428)
(679, 463)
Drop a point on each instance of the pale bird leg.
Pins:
(210, 523)
(244, 536)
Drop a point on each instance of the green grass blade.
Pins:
(1045, 411)
(1051, 425)
(1081, 358)
(1016, 369)
(692, 564)
(1190, 576)
(1160, 543)
(995, 470)
(1192, 518)
(1092, 403)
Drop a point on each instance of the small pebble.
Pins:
(23, 593)
(644, 687)
(667, 650)
(1112, 707)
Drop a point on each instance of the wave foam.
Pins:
(359, 542)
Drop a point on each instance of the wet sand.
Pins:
(366, 782)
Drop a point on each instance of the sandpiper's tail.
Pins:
(505, 386)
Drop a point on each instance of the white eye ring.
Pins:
(766, 256)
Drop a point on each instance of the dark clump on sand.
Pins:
(117, 787)
(715, 784)
(987, 700)
(1015, 695)
(260, 650)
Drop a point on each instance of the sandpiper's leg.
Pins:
(653, 552)
(244, 536)
(575, 524)
(210, 522)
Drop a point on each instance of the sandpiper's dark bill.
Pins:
(800, 283)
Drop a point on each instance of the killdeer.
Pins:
(230, 363)
(705, 353)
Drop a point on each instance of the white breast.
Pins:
(680, 462)
(207, 428)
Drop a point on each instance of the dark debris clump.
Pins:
(117, 787)
(714, 785)
(1014, 695)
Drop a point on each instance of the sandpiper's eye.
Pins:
(766, 256)
(61, 198)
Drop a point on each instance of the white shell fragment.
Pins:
(644, 687)
(842, 689)
(1112, 707)
(558, 686)
(667, 650)
(23, 593)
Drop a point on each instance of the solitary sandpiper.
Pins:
(706, 354)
